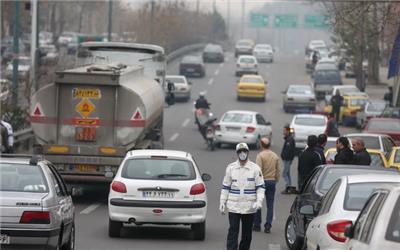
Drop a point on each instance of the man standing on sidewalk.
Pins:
(337, 102)
(242, 195)
(270, 168)
(287, 155)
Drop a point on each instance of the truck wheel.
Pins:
(199, 230)
(114, 228)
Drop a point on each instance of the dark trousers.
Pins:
(233, 233)
(337, 115)
(270, 187)
(301, 179)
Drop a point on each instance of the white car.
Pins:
(24, 66)
(182, 86)
(378, 224)
(242, 126)
(340, 208)
(161, 187)
(375, 141)
(246, 65)
(304, 125)
(264, 53)
(314, 44)
(343, 89)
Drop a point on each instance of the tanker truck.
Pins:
(86, 121)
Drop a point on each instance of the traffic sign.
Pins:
(258, 20)
(286, 21)
(316, 22)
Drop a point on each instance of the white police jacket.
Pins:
(242, 187)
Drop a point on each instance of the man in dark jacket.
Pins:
(201, 102)
(287, 155)
(308, 160)
(361, 155)
(331, 128)
(337, 102)
(344, 153)
(320, 148)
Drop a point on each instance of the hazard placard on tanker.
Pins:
(86, 93)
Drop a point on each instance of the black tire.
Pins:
(297, 242)
(199, 230)
(239, 98)
(70, 245)
(114, 228)
(218, 144)
(285, 109)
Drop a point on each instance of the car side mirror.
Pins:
(307, 210)
(206, 177)
(349, 231)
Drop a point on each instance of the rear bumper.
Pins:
(31, 239)
(235, 138)
(310, 105)
(171, 212)
(251, 94)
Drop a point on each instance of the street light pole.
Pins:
(34, 26)
(109, 19)
(242, 26)
(14, 99)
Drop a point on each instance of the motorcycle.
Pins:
(206, 125)
(210, 128)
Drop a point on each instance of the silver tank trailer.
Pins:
(91, 116)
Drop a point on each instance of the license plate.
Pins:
(85, 134)
(4, 239)
(85, 168)
(232, 129)
(190, 70)
(158, 194)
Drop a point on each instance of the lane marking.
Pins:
(186, 122)
(221, 65)
(210, 82)
(217, 72)
(227, 59)
(204, 92)
(174, 137)
(274, 246)
(90, 208)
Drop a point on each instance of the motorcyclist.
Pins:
(315, 58)
(202, 102)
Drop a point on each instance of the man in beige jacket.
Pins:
(270, 166)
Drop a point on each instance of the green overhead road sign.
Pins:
(286, 21)
(316, 22)
(258, 20)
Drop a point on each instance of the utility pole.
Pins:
(243, 14)
(228, 17)
(14, 99)
(152, 3)
(109, 20)
(34, 31)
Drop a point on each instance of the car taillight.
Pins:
(250, 129)
(197, 189)
(218, 127)
(118, 186)
(35, 217)
(336, 229)
(290, 99)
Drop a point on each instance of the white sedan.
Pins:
(160, 187)
(304, 125)
(182, 89)
(246, 65)
(242, 126)
(340, 208)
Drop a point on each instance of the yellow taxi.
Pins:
(352, 103)
(394, 159)
(251, 86)
(378, 158)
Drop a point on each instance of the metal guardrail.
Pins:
(27, 134)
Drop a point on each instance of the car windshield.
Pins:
(358, 101)
(376, 106)
(391, 112)
(158, 169)
(213, 48)
(309, 121)
(250, 79)
(334, 173)
(246, 60)
(393, 229)
(263, 47)
(348, 90)
(238, 117)
(244, 44)
(326, 75)
(358, 193)
(176, 79)
(305, 90)
(191, 59)
(22, 178)
(384, 125)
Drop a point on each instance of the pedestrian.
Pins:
(308, 160)
(320, 148)
(344, 153)
(332, 127)
(270, 167)
(361, 155)
(287, 155)
(10, 136)
(242, 195)
(337, 102)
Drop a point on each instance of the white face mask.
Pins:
(243, 156)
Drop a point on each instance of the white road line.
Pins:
(174, 137)
(217, 72)
(227, 59)
(221, 65)
(90, 208)
(185, 122)
(274, 247)
(211, 81)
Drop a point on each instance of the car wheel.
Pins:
(292, 240)
(71, 241)
(218, 144)
(239, 98)
(114, 228)
(285, 109)
(199, 230)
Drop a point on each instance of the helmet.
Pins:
(242, 147)
(202, 94)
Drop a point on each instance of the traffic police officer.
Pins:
(242, 195)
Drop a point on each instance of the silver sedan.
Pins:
(182, 86)
(299, 97)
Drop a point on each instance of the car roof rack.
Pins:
(33, 159)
